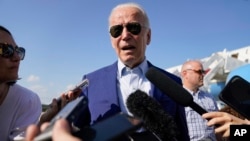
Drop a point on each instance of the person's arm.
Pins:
(223, 121)
(61, 131)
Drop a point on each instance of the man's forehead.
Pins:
(123, 15)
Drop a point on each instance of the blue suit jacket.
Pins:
(104, 102)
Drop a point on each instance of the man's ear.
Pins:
(183, 73)
(149, 37)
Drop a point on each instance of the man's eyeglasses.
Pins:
(200, 72)
(134, 28)
(7, 51)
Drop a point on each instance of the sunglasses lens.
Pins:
(200, 72)
(21, 52)
(116, 30)
(134, 28)
(6, 50)
(203, 72)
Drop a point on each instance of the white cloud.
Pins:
(33, 78)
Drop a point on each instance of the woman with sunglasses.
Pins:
(19, 107)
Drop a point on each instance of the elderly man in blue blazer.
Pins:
(110, 86)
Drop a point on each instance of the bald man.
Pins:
(192, 75)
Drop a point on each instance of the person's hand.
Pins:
(53, 109)
(56, 106)
(50, 112)
(72, 95)
(223, 121)
(60, 132)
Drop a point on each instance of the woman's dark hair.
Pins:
(4, 29)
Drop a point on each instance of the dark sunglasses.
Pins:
(200, 72)
(116, 30)
(7, 51)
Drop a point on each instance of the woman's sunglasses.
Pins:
(116, 30)
(7, 51)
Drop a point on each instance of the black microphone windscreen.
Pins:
(154, 117)
(169, 87)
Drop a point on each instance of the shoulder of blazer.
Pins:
(104, 70)
(172, 76)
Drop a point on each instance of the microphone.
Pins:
(154, 117)
(173, 89)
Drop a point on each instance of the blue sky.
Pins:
(66, 39)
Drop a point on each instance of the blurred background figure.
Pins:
(192, 75)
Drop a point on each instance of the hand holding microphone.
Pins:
(73, 93)
(59, 103)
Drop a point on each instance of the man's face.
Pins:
(130, 47)
(8, 66)
(195, 75)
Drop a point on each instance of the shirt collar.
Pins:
(121, 67)
(192, 92)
